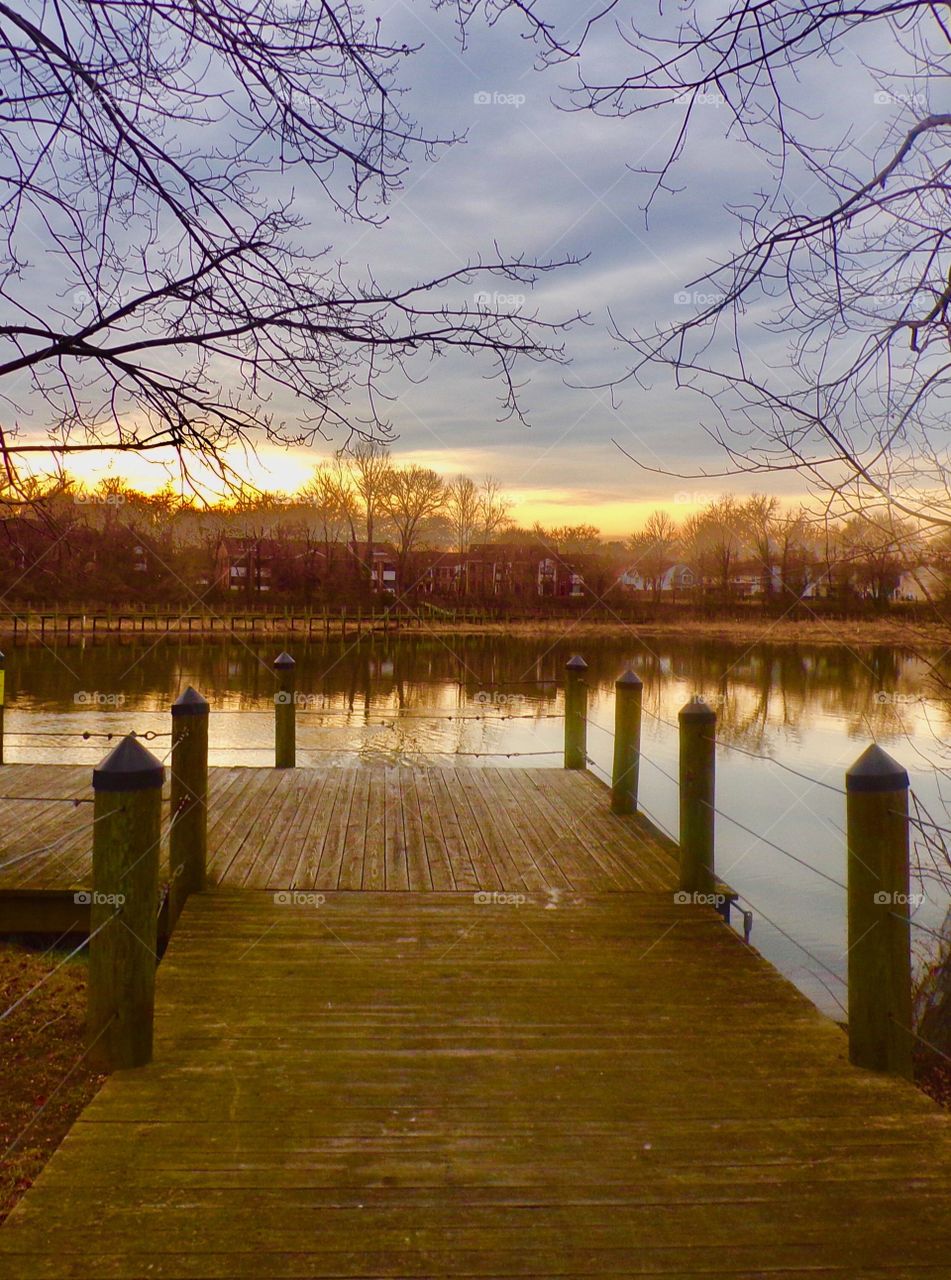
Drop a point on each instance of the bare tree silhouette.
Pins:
(156, 289)
(840, 262)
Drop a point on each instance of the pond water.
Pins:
(784, 711)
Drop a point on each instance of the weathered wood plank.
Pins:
(298, 847)
(403, 1084)
(463, 872)
(332, 854)
(313, 841)
(433, 829)
(438, 853)
(480, 823)
(395, 868)
(417, 863)
(233, 825)
(354, 845)
(556, 850)
(374, 858)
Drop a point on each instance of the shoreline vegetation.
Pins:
(47, 1081)
(814, 630)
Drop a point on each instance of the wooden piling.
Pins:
(576, 713)
(188, 834)
(123, 906)
(698, 723)
(285, 713)
(627, 743)
(879, 930)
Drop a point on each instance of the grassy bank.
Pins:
(753, 629)
(813, 631)
(46, 1080)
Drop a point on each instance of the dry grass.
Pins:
(933, 1076)
(812, 631)
(46, 1080)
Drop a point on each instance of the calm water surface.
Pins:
(475, 700)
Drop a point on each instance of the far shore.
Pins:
(812, 631)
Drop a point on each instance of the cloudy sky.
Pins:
(547, 183)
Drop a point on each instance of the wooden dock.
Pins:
(359, 828)
(392, 1084)
(456, 1023)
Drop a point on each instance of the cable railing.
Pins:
(729, 817)
(321, 733)
(760, 912)
(755, 834)
(73, 800)
(428, 753)
(881, 812)
(877, 794)
(148, 735)
(71, 955)
(726, 745)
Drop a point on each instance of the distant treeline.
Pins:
(364, 525)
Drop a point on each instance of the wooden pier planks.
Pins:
(366, 827)
(419, 1085)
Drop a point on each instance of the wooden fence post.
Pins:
(188, 833)
(285, 713)
(627, 743)
(576, 712)
(880, 1001)
(124, 905)
(698, 745)
(3, 699)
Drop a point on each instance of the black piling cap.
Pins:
(284, 661)
(696, 709)
(577, 663)
(190, 703)
(128, 767)
(875, 770)
(630, 680)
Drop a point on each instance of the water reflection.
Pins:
(762, 691)
(497, 701)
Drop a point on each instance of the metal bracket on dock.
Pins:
(729, 902)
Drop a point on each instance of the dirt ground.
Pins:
(46, 1080)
